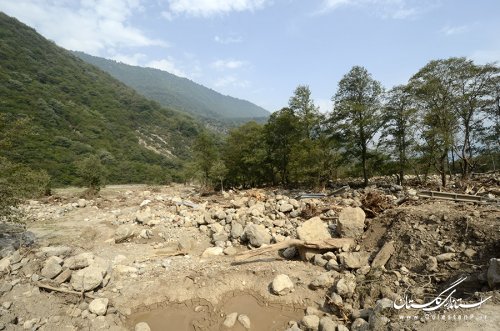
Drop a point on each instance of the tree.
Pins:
(219, 172)
(205, 155)
(281, 133)
(356, 116)
(303, 107)
(400, 120)
(92, 173)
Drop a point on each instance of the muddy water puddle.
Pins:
(199, 314)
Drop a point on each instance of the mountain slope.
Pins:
(72, 109)
(176, 92)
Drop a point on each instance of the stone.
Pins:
(231, 250)
(342, 327)
(55, 251)
(230, 320)
(63, 276)
(79, 261)
(286, 207)
(212, 251)
(346, 285)
(123, 232)
(244, 320)
(310, 322)
(142, 326)
(359, 324)
(431, 264)
(7, 304)
(146, 233)
(82, 203)
(351, 222)
(313, 229)
(143, 216)
(257, 235)
(236, 230)
(327, 324)
(353, 260)
(4, 265)
(99, 306)
(324, 280)
(88, 278)
(5, 287)
(493, 274)
(282, 285)
(52, 267)
(332, 265)
(469, 252)
(383, 255)
(30, 324)
(319, 260)
(445, 257)
(290, 253)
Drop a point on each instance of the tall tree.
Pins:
(356, 116)
(400, 119)
(205, 154)
(303, 106)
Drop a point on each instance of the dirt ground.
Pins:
(161, 274)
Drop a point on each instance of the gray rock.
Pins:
(4, 265)
(236, 230)
(257, 235)
(286, 207)
(332, 265)
(79, 261)
(346, 286)
(245, 321)
(88, 278)
(359, 324)
(310, 322)
(290, 253)
(212, 251)
(342, 327)
(319, 260)
(327, 324)
(142, 326)
(431, 264)
(99, 306)
(230, 320)
(493, 274)
(383, 255)
(324, 280)
(351, 222)
(143, 216)
(282, 285)
(469, 252)
(123, 232)
(82, 203)
(353, 260)
(52, 267)
(313, 229)
(55, 251)
(146, 233)
(231, 250)
(445, 257)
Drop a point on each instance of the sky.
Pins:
(261, 50)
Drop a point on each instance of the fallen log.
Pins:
(324, 244)
(62, 290)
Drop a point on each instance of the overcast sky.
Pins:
(260, 50)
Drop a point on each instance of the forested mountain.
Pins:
(56, 109)
(178, 93)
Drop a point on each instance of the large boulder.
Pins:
(257, 235)
(313, 229)
(88, 278)
(351, 222)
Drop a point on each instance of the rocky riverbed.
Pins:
(170, 258)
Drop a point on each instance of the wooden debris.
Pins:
(62, 290)
(325, 244)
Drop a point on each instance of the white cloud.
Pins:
(395, 9)
(91, 26)
(168, 65)
(231, 81)
(228, 40)
(452, 30)
(208, 8)
(228, 64)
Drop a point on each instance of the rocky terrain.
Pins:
(171, 258)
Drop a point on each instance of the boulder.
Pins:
(327, 324)
(99, 306)
(123, 232)
(353, 260)
(313, 229)
(310, 322)
(351, 222)
(257, 235)
(244, 320)
(88, 278)
(383, 255)
(324, 280)
(236, 230)
(212, 251)
(286, 207)
(52, 267)
(230, 320)
(346, 285)
(79, 261)
(282, 285)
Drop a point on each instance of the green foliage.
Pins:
(91, 172)
(55, 109)
(177, 93)
(205, 155)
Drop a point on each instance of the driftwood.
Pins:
(325, 244)
(51, 288)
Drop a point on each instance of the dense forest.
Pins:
(57, 111)
(179, 93)
(445, 120)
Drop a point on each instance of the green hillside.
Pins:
(68, 109)
(178, 93)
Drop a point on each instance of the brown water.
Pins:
(200, 315)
